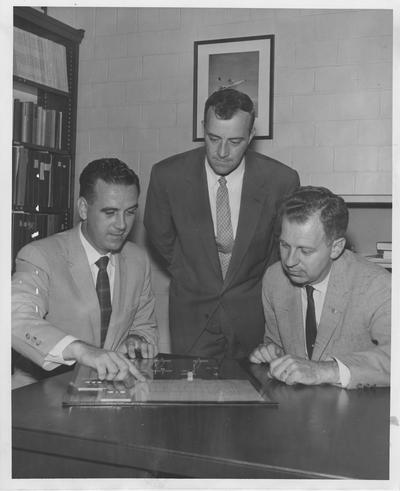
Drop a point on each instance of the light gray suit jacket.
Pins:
(53, 294)
(355, 319)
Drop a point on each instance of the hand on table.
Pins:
(265, 353)
(110, 365)
(136, 344)
(294, 370)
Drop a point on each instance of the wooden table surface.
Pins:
(314, 432)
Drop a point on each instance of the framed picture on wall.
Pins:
(246, 64)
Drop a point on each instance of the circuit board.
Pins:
(167, 381)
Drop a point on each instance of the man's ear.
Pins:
(252, 133)
(82, 207)
(337, 247)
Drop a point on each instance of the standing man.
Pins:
(327, 310)
(210, 214)
(84, 295)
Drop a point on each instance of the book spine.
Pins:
(16, 150)
(27, 121)
(17, 118)
(21, 177)
(384, 246)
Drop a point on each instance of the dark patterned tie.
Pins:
(104, 296)
(224, 226)
(311, 323)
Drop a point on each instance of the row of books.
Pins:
(383, 254)
(40, 60)
(35, 124)
(34, 226)
(41, 180)
(384, 249)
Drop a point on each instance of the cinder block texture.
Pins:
(332, 102)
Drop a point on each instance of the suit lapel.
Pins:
(334, 306)
(82, 276)
(197, 199)
(118, 301)
(292, 322)
(254, 194)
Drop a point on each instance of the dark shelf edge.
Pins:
(46, 88)
(48, 23)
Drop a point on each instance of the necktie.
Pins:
(224, 226)
(104, 296)
(311, 323)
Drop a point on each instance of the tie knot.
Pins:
(222, 181)
(102, 262)
(310, 290)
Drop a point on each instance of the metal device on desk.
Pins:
(168, 381)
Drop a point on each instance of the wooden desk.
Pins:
(315, 432)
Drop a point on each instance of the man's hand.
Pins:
(294, 370)
(110, 365)
(265, 353)
(136, 344)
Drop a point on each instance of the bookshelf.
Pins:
(45, 82)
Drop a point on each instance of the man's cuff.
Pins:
(55, 357)
(344, 373)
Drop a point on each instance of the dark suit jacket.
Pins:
(53, 294)
(355, 319)
(179, 224)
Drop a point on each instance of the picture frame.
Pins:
(243, 63)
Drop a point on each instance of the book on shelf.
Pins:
(20, 170)
(37, 125)
(379, 259)
(17, 124)
(27, 108)
(384, 246)
(40, 180)
(61, 178)
(40, 60)
(34, 226)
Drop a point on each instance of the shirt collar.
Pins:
(231, 178)
(92, 254)
(322, 286)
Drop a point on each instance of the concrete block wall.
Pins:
(332, 102)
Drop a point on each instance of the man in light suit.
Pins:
(338, 331)
(216, 235)
(57, 316)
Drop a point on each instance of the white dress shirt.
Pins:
(234, 183)
(319, 299)
(55, 354)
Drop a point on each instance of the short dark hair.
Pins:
(110, 170)
(308, 200)
(227, 102)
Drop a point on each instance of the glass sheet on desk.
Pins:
(168, 381)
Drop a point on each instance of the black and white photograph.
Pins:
(201, 215)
